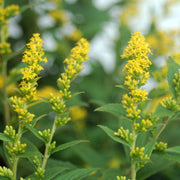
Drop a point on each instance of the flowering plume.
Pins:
(73, 66)
(33, 56)
(137, 74)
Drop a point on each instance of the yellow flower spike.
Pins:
(138, 47)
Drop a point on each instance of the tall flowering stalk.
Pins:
(5, 14)
(136, 75)
(33, 57)
(73, 66)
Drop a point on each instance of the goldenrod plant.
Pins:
(5, 14)
(132, 109)
(34, 57)
(49, 118)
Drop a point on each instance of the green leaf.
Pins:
(38, 118)
(76, 174)
(4, 137)
(162, 111)
(52, 172)
(35, 132)
(67, 145)
(175, 116)
(110, 173)
(115, 109)
(110, 133)
(175, 149)
(149, 147)
(30, 151)
(172, 69)
(90, 156)
(158, 164)
(174, 157)
(13, 54)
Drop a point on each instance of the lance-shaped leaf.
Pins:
(110, 133)
(115, 109)
(162, 111)
(13, 54)
(149, 147)
(4, 137)
(67, 145)
(52, 172)
(35, 132)
(76, 174)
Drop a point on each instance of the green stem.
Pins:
(16, 159)
(133, 164)
(46, 153)
(161, 128)
(5, 90)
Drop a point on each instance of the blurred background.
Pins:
(108, 25)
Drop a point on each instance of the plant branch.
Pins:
(46, 153)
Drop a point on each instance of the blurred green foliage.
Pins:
(98, 88)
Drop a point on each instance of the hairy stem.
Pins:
(5, 90)
(161, 127)
(15, 158)
(133, 164)
(46, 153)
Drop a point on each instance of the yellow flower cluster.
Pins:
(5, 14)
(138, 63)
(46, 134)
(10, 132)
(6, 172)
(15, 149)
(138, 154)
(5, 48)
(160, 146)
(20, 107)
(143, 126)
(77, 113)
(60, 16)
(170, 104)
(33, 57)
(124, 133)
(73, 66)
(161, 42)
